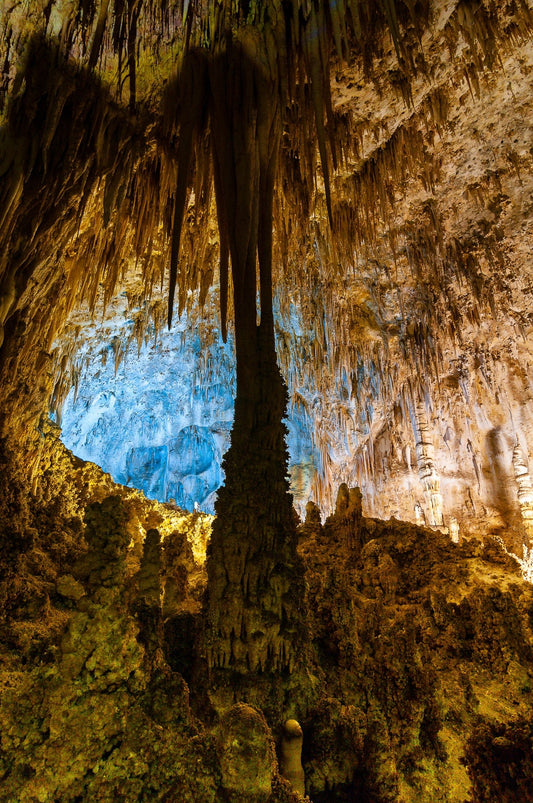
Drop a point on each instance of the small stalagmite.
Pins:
(345, 525)
(148, 602)
(291, 755)
(454, 530)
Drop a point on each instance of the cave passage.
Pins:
(355, 655)
(159, 417)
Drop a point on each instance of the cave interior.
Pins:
(266, 401)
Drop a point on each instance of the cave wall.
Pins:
(423, 346)
(157, 415)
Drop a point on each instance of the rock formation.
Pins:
(291, 755)
(173, 433)
(354, 181)
(418, 660)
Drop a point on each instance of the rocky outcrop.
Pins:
(420, 639)
(100, 624)
(498, 757)
(94, 716)
(246, 754)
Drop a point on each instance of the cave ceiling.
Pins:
(401, 221)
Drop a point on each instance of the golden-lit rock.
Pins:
(291, 755)
(246, 754)
(373, 163)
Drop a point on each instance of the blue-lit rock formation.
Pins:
(161, 422)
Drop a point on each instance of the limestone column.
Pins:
(525, 489)
(426, 466)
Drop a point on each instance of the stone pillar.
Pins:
(291, 755)
(454, 530)
(345, 525)
(426, 466)
(525, 489)
(148, 603)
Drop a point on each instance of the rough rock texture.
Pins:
(246, 754)
(499, 761)
(414, 682)
(405, 656)
(87, 711)
(422, 643)
(255, 617)
(97, 629)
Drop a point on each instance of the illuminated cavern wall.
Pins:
(159, 417)
(156, 413)
(155, 409)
